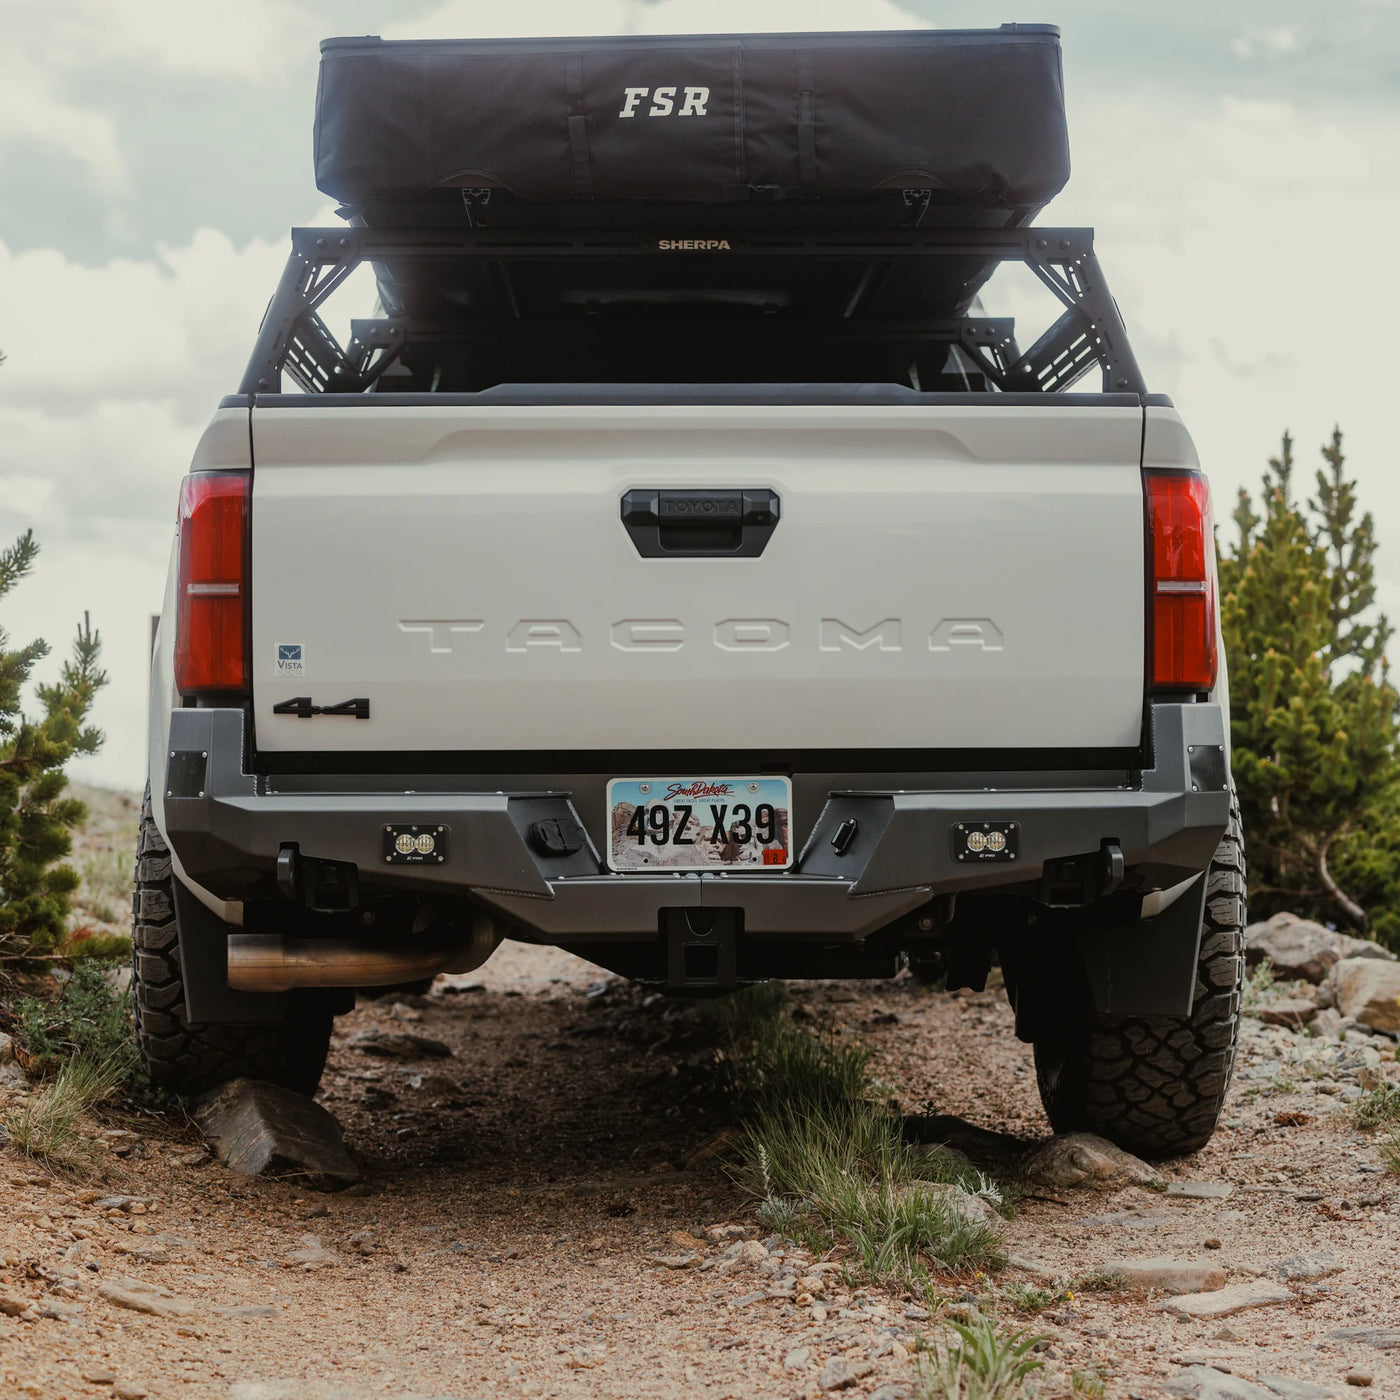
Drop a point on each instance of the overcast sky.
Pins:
(1239, 161)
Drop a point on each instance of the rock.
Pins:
(1206, 1383)
(1294, 1390)
(963, 1203)
(676, 1261)
(1383, 1338)
(1226, 1301)
(1300, 948)
(1200, 1190)
(1134, 1219)
(193, 1159)
(720, 1234)
(1290, 1011)
(59, 1310)
(130, 1390)
(1356, 1377)
(145, 1298)
(1319, 1263)
(261, 1129)
(309, 1253)
(1169, 1275)
(1327, 1022)
(15, 1305)
(1083, 1159)
(836, 1375)
(248, 1311)
(398, 1045)
(99, 1375)
(1369, 991)
(797, 1358)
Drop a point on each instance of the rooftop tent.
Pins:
(778, 207)
(611, 126)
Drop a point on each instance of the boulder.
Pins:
(1301, 948)
(1369, 991)
(1084, 1159)
(261, 1129)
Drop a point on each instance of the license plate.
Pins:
(700, 823)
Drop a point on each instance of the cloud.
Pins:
(112, 373)
(462, 19)
(256, 42)
(32, 111)
(1269, 43)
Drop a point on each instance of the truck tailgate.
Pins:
(946, 577)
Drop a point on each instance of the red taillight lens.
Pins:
(1183, 581)
(210, 646)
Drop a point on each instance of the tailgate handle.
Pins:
(733, 524)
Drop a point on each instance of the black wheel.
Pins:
(187, 1058)
(1155, 1085)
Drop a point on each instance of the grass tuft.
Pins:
(1099, 1281)
(1390, 1152)
(1258, 986)
(1379, 1107)
(49, 1125)
(984, 1361)
(1088, 1384)
(89, 1019)
(1027, 1298)
(823, 1152)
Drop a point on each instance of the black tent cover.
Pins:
(975, 117)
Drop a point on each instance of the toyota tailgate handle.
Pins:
(733, 524)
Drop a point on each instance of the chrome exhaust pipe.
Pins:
(267, 963)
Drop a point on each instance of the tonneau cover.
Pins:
(975, 117)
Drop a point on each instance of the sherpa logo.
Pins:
(663, 101)
(693, 245)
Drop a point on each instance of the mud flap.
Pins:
(1148, 968)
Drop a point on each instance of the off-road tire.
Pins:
(1156, 1085)
(189, 1057)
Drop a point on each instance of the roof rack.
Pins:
(294, 338)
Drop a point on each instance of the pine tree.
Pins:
(1313, 713)
(35, 816)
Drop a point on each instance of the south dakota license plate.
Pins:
(700, 823)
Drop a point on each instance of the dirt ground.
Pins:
(521, 1192)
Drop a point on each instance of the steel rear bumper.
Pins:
(227, 830)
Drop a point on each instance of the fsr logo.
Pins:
(663, 101)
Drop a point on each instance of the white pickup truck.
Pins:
(717, 607)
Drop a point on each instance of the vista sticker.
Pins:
(290, 661)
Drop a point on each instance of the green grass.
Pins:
(104, 885)
(89, 1019)
(982, 1361)
(824, 1155)
(1027, 1298)
(1379, 1107)
(1390, 1152)
(1089, 1384)
(49, 1125)
(1258, 986)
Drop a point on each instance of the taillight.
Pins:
(210, 635)
(1184, 652)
